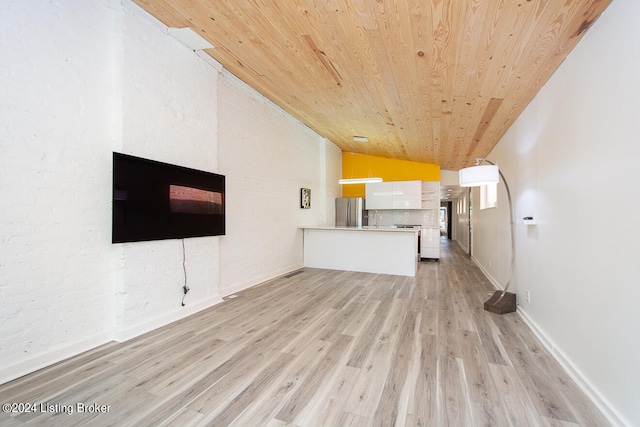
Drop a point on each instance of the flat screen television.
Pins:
(156, 201)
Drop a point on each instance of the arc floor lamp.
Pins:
(501, 302)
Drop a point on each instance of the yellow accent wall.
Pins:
(363, 166)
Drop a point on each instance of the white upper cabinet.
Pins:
(378, 195)
(394, 195)
(407, 195)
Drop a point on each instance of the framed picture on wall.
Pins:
(305, 198)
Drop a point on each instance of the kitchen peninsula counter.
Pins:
(384, 250)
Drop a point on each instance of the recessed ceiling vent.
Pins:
(189, 38)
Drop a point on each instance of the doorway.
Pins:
(446, 220)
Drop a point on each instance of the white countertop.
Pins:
(365, 228)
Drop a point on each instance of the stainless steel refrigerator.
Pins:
(350, 212)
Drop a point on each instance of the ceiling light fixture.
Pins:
(501, 302)
(368, 180)
(359, 181)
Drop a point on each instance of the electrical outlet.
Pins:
(528, 296)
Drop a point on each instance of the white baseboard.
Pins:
(142, 328)
(122, 335)
(228, 290)
(462, 246)
(585, 385)
(24, 367)
(493, 281)
(48, 358)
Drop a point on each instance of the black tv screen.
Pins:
(155, 201)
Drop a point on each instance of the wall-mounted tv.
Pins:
(155, 201)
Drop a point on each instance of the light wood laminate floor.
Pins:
(322, 348)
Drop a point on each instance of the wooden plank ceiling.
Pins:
(436, 81)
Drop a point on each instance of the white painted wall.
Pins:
(571, 161)
(267, 158)
(83, 79)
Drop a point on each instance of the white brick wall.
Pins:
(169, 114)
(267, 157)
(56, 265)
(83, 79)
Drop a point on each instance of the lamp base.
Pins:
(501, 304)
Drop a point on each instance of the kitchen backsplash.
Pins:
(425, 217)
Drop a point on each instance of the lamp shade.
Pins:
(476, 176)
